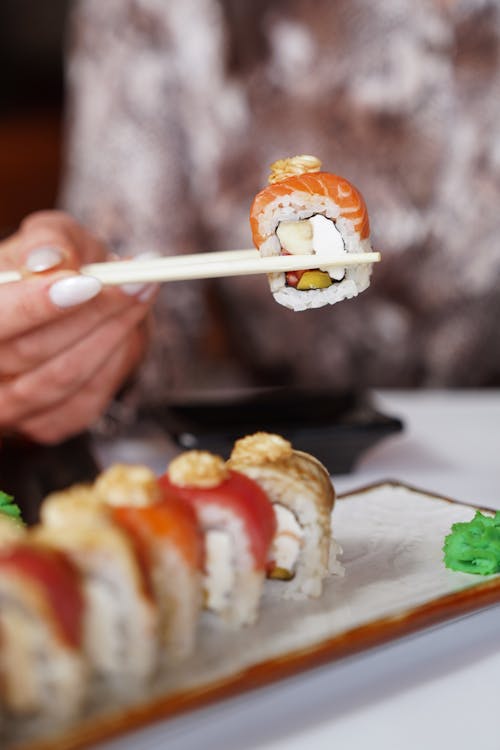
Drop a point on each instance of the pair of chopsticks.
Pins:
(206, 266)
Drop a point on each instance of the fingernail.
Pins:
(143, 288)
(43, 258)
(74, 290)
(148, 292)
(133, 289)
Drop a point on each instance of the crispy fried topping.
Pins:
(284, 168)
(197, 469)
(124, 484)
(261, 448)
(76, 505)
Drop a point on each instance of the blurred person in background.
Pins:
(176, 110)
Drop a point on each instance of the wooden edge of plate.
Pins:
(476, 597)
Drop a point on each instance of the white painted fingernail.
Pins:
(133, 289)
(148, 292)
(74, 290)
(137, 289)
(43, 258)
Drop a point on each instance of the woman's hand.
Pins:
(66, 343)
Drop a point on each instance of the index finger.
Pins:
(36, 301)
(54, 231)
(88, 247)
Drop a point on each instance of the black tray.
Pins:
(335, 427)
(30, 471)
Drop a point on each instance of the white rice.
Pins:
(297, 206)
(120, 620)
(242, 605)
(40, 673)
(179, 593)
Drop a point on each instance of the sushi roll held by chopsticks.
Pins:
(306, 211)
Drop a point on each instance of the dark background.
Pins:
(31, 86)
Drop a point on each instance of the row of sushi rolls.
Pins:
(110, 584)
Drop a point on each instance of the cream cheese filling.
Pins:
(287, 542)
(316, 235)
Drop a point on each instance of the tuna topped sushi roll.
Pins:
(305, 211)
(167, 530)
(239, 526)
(41, 631)
(302, 494)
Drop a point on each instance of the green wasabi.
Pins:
(474, 547)
(9, 508)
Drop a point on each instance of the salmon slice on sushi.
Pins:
(167, 529)
(122, 621)
(42, 670)
(304, 211)
(238, 522)
(303, 552)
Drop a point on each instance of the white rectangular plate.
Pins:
(395, 583)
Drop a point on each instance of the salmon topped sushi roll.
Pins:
(239, 525)
(121, 621)
(167, 529)
(306, 211)
(302, 494)
(42, 670)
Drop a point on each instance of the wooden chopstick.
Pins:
(209, 266)
(172, 261)
(166, 260)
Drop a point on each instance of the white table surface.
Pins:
(436, 689)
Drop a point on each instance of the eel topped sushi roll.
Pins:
(306, 211)
(303, 496)
(239, 525)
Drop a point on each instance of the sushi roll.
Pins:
(302, 494)
(168, 530)
(11, 530)
(239, 525)
(42, 601)
(121, 621)
(306, 211)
